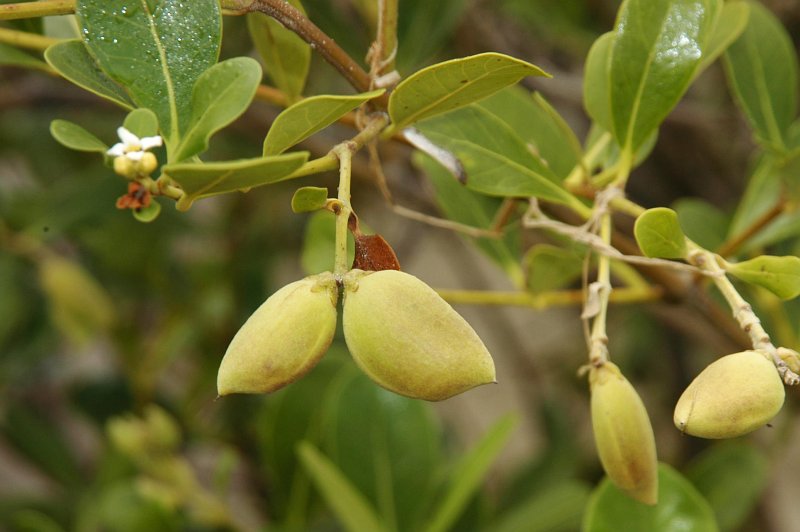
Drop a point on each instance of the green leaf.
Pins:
(731, 476)
(550, 268)
(308, 116)
(762, 71)
(221, 94)
(149, 213)
(496, 160)
(779, 275)
(703, 223)
(75, 137)
(535, 121)
(200, 180)
(10, 56)
(460, 204)
(309, 199)
(142, 123)
(659, 234)
(423, 29)
(447, 86)
(763, 193)
(157, 50)
(596, 98)
(680, 507)
(655, 53)
(71, 59)
(286, 56)
(395, 463)
(730, 25)
(556, 509)
(349, 505)
(469, 474)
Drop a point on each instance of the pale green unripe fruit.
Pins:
(733, 396)
(623, 434)
(408, 339)
(283, 339)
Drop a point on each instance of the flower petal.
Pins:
(117, 150)
(134, 155)
(148, 143)
(128, 138)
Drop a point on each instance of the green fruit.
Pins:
(408, 339)
(623, 434)
(283, 339)
(733, 396)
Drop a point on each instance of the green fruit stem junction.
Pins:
(344, 152)
(742, 311)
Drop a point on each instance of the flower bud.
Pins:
(124, 167)
(408, 339)
(147, 164)
(283, 339)
(623, 434)
(733, 396)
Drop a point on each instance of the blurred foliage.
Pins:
(108, 418)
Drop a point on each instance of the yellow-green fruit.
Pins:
(623, 434)
(733, 396)
(283, 339)
(408, 339)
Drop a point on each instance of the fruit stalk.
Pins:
(742, 311)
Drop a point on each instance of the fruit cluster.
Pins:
(399, 331)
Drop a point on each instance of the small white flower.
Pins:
(133, 147)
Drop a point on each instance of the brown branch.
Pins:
(295, 21)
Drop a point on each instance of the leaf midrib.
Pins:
(162, 53)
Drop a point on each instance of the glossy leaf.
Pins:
(656, 50)
(199, 180)
(680, 507)
(221, 94)
(496, 160)
(731, 476)
(286, 56)
(702, 222)
(156, 50)
(779, 275)
(551, 268)
(71, 59)
(596, 96)
(309, 199)
(762, 71)
(539, 125)
(350, 506)
(142, 123)
(730, 25)
(452, 84)
(460, 204)
(308, 116)
(10, 56)
(659, 234)
(469, 474)
(75, 137)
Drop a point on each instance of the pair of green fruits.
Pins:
(732, 396)
(400, 332)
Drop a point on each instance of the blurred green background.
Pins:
(108, 412)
